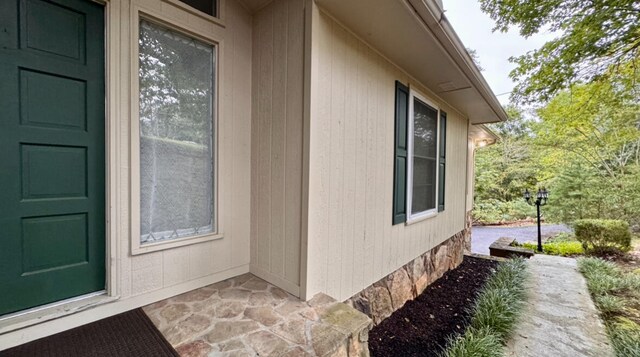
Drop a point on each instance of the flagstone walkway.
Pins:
(560, 318)
(245, 316)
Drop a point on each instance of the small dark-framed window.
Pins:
(209, 7)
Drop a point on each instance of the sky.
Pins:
(493, 48)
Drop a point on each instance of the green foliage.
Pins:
(592, 132)
(175, 85)
(562, 237)
(593, 37)
(577, 193)
(493, 211)
(602, 235)
(474, 343)
(584, 147)
(615, 293)
(584, 144)
(625, 337)
(605, 278)
(505, 169)
(494, 314)
(565, 249)
(610, 304)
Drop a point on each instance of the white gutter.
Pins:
(433, 16)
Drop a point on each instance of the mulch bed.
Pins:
(421, 327)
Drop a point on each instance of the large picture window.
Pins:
(176, 82)
(423, 157)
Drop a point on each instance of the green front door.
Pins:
(52, 165)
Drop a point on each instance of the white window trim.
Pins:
(137, 247)
(420, 216)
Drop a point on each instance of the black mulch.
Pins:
(421, 327)
(123, 335)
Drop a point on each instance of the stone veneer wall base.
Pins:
(382, 298)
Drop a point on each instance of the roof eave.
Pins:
(434, 16)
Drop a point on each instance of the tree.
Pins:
(506, 169)
(474, 56)
(595, 37)
(592, 133)
(597, 123)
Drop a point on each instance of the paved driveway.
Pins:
(483, 236)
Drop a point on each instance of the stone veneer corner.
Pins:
(382, 298)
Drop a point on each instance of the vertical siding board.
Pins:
(241, 127)
(388, 157)
(319, 152)
(255, 139)
(350, 147)
(371, 145)
(337, 159)
(225, 162)
(360, 203)
(278, 138)
(382, 218)
(264, 148)
(293, 150)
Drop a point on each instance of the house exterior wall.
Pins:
(276, 149)
(169, 267)
(351, 240)
(137, 280)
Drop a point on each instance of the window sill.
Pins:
(421, 217)
(142, 248)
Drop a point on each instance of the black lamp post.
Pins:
(541, 199)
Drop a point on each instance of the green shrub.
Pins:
(562, 248)
(603, 235)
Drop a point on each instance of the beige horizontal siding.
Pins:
(352, 242)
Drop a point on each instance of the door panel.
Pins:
(52, 216)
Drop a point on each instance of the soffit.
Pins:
(398, 29)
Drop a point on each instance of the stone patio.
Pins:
(246, 316)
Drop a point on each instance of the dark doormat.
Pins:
(128, 334)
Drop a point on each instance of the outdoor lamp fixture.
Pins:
(541, 199)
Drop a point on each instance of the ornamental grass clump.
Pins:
(481, 342)
(616, 294)
(495, 313)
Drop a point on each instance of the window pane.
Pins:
(206, 6)
(425, 133)
(425, 129)
(176, 134)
